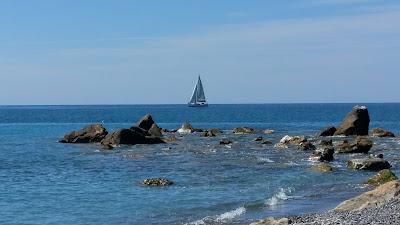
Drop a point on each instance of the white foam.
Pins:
(222, 218)
(264, 159)
(278, 197)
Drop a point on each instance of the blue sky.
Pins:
(149, 52)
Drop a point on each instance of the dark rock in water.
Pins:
(130, 137)
(329, 131)
(291, 140)
(324, 152)
(145, 122)
(326, 142)
(359, 145)
(355, 123)
(198, 130)
(157, 182)
(382, 177)
(163, 130)
(155, 130)
(258, 138)
(89, 134)
(306, 145)
(243, 130)
(266, 142)
(373, 164)
(186, 128)
(379, 132)
(225, 142)
(212, 132)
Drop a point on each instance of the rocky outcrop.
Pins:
(322, 168)
(377, 197)
(329, 131)
(355, 123)
(243, 130)
(382, 177)
(212, 132)
(324, 152)
(272, 221)
(379, 132)
(359, 145)
(155, 130)
(157, 182)
(186, 128)
(132, 136)
(299, 141)
(145, 122)
(225, 142)
(89, 134)
(370, 163)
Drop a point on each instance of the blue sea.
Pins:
(46, 182)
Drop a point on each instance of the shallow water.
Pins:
(45, 182)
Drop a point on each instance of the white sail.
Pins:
(198, 96)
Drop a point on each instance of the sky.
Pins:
(246, 51)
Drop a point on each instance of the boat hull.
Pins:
(199, 104)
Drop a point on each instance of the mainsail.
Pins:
(198, 93)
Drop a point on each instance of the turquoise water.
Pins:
(45, 182)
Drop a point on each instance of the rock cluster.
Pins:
(379, 132)
(157, 182)
(359, 145)
(243, 130)
(324, 152)
(89, 134)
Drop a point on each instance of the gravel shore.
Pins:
(388, 213)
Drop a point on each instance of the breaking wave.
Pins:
(222, 218)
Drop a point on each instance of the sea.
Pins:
(46, 182)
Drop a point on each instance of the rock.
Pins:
(272, 221)
(243, 130)
(306, 145)
(268, 131)
(359, 145)
(329, 131)
(186, 129)
(377, 197)
(212, 132)
(355, 123)
(379, 132)
(225, 142)
(157, 182)
(170, 139)
(382, 177)
(323, 167)
(323, 153)
(155, 130)
(266, 142)
(373, 164)
(258, 139)
(145, 122)
(129, 137)
(299, 141)
(89, 134)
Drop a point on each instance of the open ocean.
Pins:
(46, 182)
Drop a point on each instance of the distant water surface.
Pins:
(45, 182)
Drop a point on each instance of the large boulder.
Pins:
(243, 130)
(132, 136)
(329, 131)
(379, 132)
(155, 130)
(359, 145)
(377, 197)
(382, 177)
(212, 132)
(355, 123)
(145, 122)
(370, 163)
(89, 134)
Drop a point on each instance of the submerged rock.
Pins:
(272, 221)
(359, 145)
(243, 130)
(260, 138)
(377, 197)
(379, 132)
(145, 122)
(373, 164)
(269, 131)
(212, 132)
(266, 142)
(89, 134)
(323, 168)
(186, 129)
(355, 123)
(329, 131)
(382, 177)
(132, 136)
(157, 182)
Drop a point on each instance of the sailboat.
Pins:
(198, 98)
